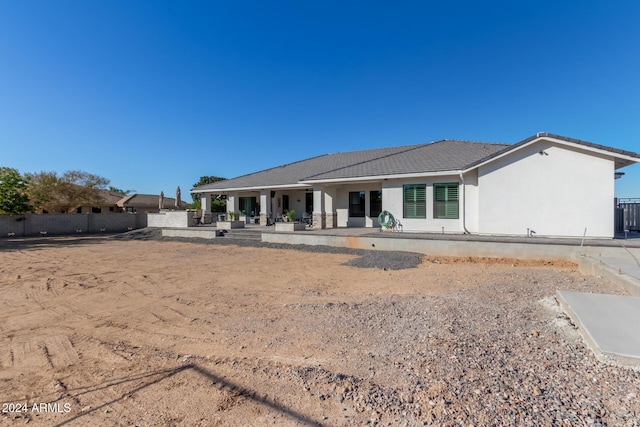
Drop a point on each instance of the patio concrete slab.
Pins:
(623, 269)
(607, 323)
(628, 265)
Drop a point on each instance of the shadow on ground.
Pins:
(24, 243)
(156, 377)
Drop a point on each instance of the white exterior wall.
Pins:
(342, 205)
(392, 201)
(559, 193)
(471, 201)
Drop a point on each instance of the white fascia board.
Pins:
(596, 150)
(379, 177)
(560, 142)
(261, 188)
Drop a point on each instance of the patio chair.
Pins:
(307, 219)
(197, 217)
(278, 217)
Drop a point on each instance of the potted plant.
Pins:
(227, 225)
(290, 225)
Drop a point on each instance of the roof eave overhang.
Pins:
(253, 188)
(379, 177)
(620, 159)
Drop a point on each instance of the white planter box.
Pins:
(289, 226)
(228, 225)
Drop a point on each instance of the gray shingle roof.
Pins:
(440, 156)
(430, 157)
(446, 155)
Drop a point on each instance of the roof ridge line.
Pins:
(408, 148)
(265, 170)
(472, 141)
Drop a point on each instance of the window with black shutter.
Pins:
(445, 200)
(415, 200)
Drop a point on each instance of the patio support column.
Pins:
(331, 218)
(233, 205)
(318, 217)
(205, 201)
(367, 209)
(264, 207)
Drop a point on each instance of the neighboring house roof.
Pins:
(109, 198)
(146, 201)
(430, 158)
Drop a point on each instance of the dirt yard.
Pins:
(100, 331)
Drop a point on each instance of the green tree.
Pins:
(119, 190)
(218, 205)
(204, 180)
(215, 204)
(13, 192)
(42, 190)
(52, 193)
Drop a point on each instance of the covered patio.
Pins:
(320, 207)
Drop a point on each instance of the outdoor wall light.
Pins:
(543, 153)
(618, 175)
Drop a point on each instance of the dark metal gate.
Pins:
(627, 216)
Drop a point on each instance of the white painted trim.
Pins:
(380, 177)
(587, 148)
(262, 188)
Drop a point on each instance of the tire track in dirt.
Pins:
(54, 351)
(59, 304)
(62, 352)
(28, 354)
(45, 351)
(6, 354)
(147, 330)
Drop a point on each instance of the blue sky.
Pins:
(155, 94)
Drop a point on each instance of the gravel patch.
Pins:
(471, 358)
(386, 260)
(140, 234)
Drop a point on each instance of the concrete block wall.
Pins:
(10, 224)
(35, 224)
(116, 222)
(56, 223)
(177, 219)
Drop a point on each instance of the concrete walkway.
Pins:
(608, 324)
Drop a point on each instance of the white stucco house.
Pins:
(554, 185)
